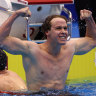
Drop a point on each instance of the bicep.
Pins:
(84, 45)
(14, 45)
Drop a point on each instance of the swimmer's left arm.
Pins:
(83, 45)
(90, 24)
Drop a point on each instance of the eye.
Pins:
(65, 28)
(58, 28)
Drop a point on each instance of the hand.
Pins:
(85, 14)
(24, 12)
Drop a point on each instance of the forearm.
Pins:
(6, 26)
(90, 28)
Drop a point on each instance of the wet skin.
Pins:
(47, 64)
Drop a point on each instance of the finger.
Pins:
(81, 14)
(28, 12)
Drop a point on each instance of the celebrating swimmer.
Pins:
(47, 64)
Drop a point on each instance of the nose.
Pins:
(64, 30)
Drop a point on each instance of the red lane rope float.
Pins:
(22, 92)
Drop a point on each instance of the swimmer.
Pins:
(47, 64)
(9, 81)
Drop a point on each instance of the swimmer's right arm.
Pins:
(12, 44)
(6, 26)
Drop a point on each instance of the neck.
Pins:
(2, 71)
(53, 48)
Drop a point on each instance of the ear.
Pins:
(47, 33)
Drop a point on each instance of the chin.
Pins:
(62, 43)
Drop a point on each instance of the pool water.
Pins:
(81, 89)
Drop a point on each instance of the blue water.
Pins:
(82, 89)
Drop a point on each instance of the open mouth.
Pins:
(63, 37)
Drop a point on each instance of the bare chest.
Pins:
(54, 66)
(47, 70)
(46, 63)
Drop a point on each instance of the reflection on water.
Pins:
(80, 89)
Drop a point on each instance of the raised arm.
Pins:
(6, 26)
(11, 43)
(83, 45)
(90, 24)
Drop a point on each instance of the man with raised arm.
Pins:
(47, 64)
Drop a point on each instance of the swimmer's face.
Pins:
(58, 31)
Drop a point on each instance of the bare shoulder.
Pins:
(31, 44)
(72, 41)
(71, 44)
(8, 73)
(12, 73)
